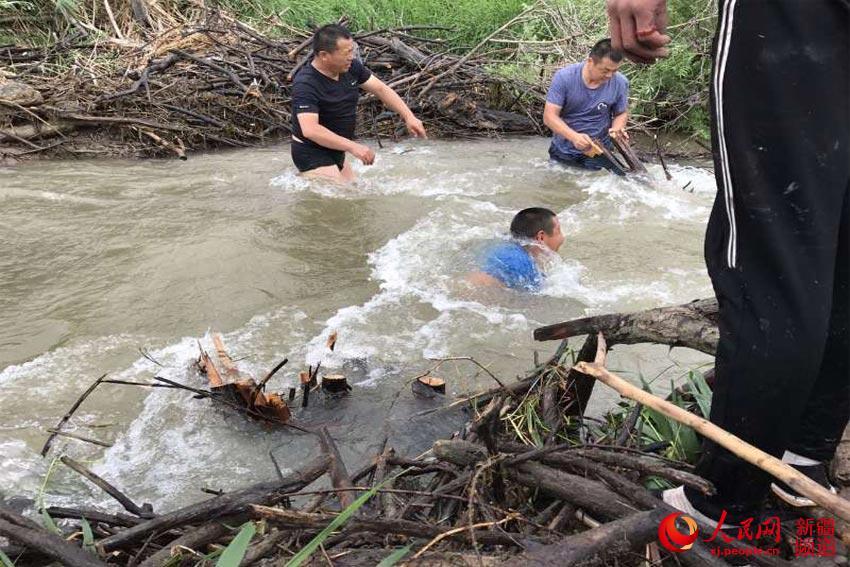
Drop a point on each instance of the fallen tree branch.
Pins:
(46, 543)
(143, 512)
(234, 502)
(692, 325)
(68, 415)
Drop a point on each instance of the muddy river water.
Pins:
(102, 259)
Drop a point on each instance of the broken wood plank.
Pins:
(227, 363)
(339, 475)
(629, 155)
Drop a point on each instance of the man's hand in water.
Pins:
(363, 153)
(637, 27)
(415, 127)
(582, 142)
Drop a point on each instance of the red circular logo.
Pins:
(670, 536)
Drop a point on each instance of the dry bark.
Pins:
(692, 325)
(19, 529)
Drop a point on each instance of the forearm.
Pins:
(620, 121)
(327, 139)
(394, 102)
(558, 126)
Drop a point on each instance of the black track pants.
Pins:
(778, 240)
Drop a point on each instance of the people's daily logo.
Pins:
(674, 540)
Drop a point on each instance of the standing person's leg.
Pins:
(317, 162)
(828, 408)
(330, 172)
(347, 172)
(780, 139)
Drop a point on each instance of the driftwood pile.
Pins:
(479, 498)
(220, 83)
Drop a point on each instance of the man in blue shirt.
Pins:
(513, 263)
(588, 100)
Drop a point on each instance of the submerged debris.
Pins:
(528, 480)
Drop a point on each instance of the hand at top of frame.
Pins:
(638, 28)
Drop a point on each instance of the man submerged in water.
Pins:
(514, 264)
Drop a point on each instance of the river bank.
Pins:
(212, 81)
(527, 478)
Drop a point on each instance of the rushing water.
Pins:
(101, 259)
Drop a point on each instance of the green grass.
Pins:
(235, 551)
(306, 551)
(471, 20)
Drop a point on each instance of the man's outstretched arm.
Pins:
(483, 279)
(638, 27)
(394, 102)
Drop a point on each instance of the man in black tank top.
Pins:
(324, 107)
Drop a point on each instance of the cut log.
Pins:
(227, 363)
(386, 503)
(331, 342)
(579, 386)
(644, 464)
(629, 155)
(599, 501)
(407, 53)
(305, 379)
(600, 148)
(145, 511)
(206, 366)
(121, 520)
(264, 547)
(197, 538)
(335, 384)
(243, 391)
(459, 452)
(428, 386)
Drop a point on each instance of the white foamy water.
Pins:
(238, 243)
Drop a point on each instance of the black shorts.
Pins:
(309, 156)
